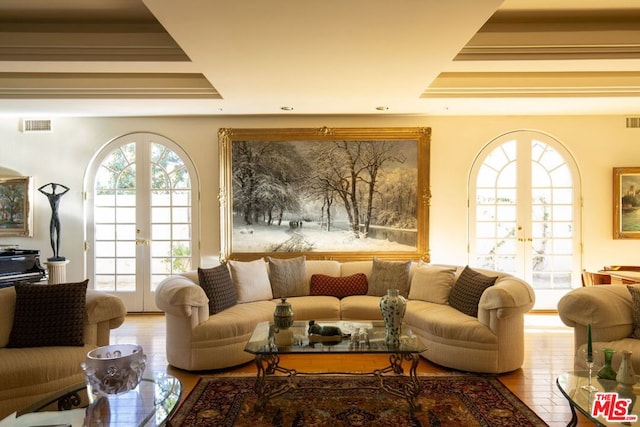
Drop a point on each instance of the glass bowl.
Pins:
(114, 369)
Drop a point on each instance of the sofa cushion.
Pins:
(339, 287)
(466, 292)
(49, 315)
(218, 286)
(389, 275)
(323, 266)
(288, 277)
(444, 324)
(224, 327)
(349, 268)
(635, 309)
(360, 307)
(37, 366)
(318, 307)
(432, 284)
(251, 280)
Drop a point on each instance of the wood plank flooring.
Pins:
(549, 352)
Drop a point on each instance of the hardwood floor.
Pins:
(549, 352)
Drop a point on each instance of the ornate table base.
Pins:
(269, 364)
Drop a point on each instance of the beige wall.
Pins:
(598, 143)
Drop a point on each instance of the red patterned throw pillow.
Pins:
(339, 287)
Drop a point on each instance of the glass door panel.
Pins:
(142, 216)
(524, 205)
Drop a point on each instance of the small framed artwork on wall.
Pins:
(15, 206)
(626, 203)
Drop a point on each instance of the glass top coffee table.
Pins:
(571, 385)
(151, 403)
(358, 337)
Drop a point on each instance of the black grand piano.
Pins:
(19, 266)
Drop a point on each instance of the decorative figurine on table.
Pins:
(318, 333)
(54, 225)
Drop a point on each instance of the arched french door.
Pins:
(141, 216)
(524, 204)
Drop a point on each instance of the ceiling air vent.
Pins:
(36, 125)
(633, 122)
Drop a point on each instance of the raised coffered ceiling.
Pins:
(78, 57)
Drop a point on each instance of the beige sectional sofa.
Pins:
(609, 310)
(492, 342)
(29, 374)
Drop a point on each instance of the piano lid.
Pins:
(13, 251)
(20, 265)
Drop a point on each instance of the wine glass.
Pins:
(593, 362)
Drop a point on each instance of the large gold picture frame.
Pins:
(297, 191)
(15, 206)
(626, 203)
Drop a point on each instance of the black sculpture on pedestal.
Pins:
(54, 225)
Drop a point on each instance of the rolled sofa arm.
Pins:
(608, 308)
(508, 296)
(179, 295)
(104, 307)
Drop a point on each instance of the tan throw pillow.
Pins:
(432, 284)
(251, 280)
(288, 277)
(389, 275)
(634, 290)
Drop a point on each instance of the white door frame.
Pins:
(142, 299)
(546, 299)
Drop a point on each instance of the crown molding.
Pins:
(523, 84)
(89, 43)
(105, 85)
(540, 35)
(542, 52)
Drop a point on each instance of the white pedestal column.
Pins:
(57, 271)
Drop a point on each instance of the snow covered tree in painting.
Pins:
(324, 195)
(266, 181)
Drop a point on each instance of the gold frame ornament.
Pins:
(626, 203)
(333, 167)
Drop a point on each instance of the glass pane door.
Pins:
(142, 216)
(524, 205)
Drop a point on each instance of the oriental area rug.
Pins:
(460, 401)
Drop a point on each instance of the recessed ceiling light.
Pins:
(382, 108)
(286, 108)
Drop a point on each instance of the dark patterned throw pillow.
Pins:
(49, 315)
(467, 290)
(218, 286)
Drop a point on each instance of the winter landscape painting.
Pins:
(326, 193)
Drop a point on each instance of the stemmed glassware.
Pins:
(588, 357)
